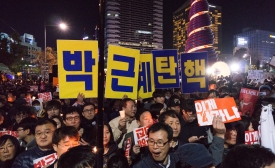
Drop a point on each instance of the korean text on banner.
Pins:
(78, 64)
(248, 99)
(122, 72)
(141, 136)
(45, 96)
(146, 84)
(193, 70)
(224, 107)
(128, 147)
(166, 73)
(44, 161)
(251, 137)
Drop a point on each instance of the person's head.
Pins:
(53, 108)
(108, 137)
(9, 148)
(223, 90)
(11, 96)
(67, 102)
(188, 110)
(174, 104)
(246, 121)
(26, 128)
(171, 118)
(266, 89)
(88, 111)
(78, 157)
(168, 94)
(144, 117)
(19, 116)
(159, 137)
(156, 109)
(230, 138)
(71, 117)
(65, 138)
(118, 161)
(44, 132)
(253, 156)
(225, 95)
(37, 105)
(128, 105)
(59, 121)
(212, 85)
(159, 96)
(213, 94)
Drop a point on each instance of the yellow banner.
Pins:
(77, 68)
(122, 72)
(146, 84)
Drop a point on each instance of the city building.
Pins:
(8, 38)
(28, 41)
(181, 21)
(260, 44)
(136, 24)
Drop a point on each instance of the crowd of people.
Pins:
(67, 129)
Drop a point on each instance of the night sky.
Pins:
(29, 17)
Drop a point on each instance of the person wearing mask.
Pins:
(63, 139)
(26, 132)
(37, 104)
(43, 135)
(121, 126)
(110, 147)
(9, 149)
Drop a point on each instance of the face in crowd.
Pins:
(65, 144)
(231, 137)
(174, 123)
(7, 151)
(130, 109)
(73, 119)
(106, 135)
(188, 116)
(89, 112)
(145, 119)
(53, 112)
(158, 144)
(159, 100)
(44, 135)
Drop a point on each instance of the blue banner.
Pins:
(193, 72)
(166, 72)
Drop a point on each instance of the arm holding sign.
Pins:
(216, 148)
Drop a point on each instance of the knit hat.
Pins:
(265, 87)
(195, 155)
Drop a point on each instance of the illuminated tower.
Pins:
(200, 35)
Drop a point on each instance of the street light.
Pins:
(62, 26)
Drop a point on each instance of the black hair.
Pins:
(246, 122)
(60, 119)
(212, 82)
(46, 121)
(36, 102)
(70, 110)
(124, 102)
(53, 103)
(188, 106)
(62, 132)
(161, 126)
(118, 161)
(224, 89)
(213, 91)
(112, 140)
(155, 109)
(223, 95)
(140, 112)
(244, 156)
(14, 141)
(28, 123)
(12, 92)
(77, 157)
(89, 104)
(158, 93)
(169, 113)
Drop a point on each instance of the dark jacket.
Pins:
(111, 152)
(25, 159)
(149, 162)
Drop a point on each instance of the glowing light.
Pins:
(63, 26)
(235, 67)
(272, 36)
(220, 68)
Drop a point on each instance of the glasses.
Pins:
(73, 118)
(47, 133)
(89, 110)
(158, 143)
(9, 147)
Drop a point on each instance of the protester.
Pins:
(110, 147)
(26, 132)
(37, 104)
(88, 114)
(120, 126)
(59, 121)
(63, 139)
(174, 104)
(118, 161)
(76, 157)
(9, 149)
(156, 109)
(53, 108)
(43, 136)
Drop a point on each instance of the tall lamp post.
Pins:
(62, 26)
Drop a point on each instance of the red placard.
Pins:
(45, 96)
(251, 137)
(141, 136)
(44, 161)
(248, 99)
(224, 107)
(128, 147)
(12, 133)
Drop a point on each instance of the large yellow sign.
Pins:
(122, 72)
(146, 84)
(77, 68)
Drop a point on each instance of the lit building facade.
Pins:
(181, 21)
(260, 44)
(28, 41)
(136, 24)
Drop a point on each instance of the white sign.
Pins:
(255, 74)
